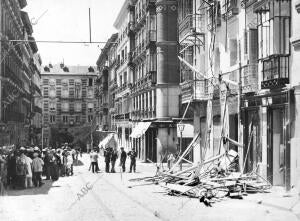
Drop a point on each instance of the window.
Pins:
(90, 82)
(52, 118)
(65, 119)
(52, 82)
(78, 107)
(90, 118)
(52, 92)
(77, 91)
(77, 119)
(90, 107)
(65, 93)
(65, 106)
(274, 28)
(52, 105)
(90, 93)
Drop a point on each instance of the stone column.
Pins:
(167, 61)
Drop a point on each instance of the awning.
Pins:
(188, 131)
(140, 129)
(110, 140)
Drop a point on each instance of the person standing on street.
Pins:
(132, 156)
(114, 157)
(123, 159)
(94, 160)
(11, 170)
(28, 181)
(107, 156)
(37, 167)
(21, 168)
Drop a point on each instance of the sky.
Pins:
(67, 20)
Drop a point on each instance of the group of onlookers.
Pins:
(110, 157)
(24, 167)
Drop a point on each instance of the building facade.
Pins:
(144, 78)
(19, 76)
(106, 84)
(238, 67)
(69, 104)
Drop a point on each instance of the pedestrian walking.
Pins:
(123, 159)
(37, 168)
(107, 156)
(132, 155)
(113, 159)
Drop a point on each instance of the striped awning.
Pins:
(140, 129)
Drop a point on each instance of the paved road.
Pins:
(108, 197)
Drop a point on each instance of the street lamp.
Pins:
(181, 129)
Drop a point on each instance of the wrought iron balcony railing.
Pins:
(194, 90)
(249, 77)
(275, 72)
(192, 22)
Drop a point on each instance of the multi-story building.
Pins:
(69, 104)
(17, 72)
(239, 73)
(106, 84)
(147, 77)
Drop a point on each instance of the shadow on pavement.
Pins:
(43, 190)
(78, 163)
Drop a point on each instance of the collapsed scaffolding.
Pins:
(222, 174)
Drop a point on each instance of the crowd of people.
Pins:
(110, 158)
(22, 168)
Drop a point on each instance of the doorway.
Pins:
(276, 146)
(252, 140)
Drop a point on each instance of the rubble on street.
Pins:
(209, 181)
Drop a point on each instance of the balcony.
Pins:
(140, 21)
(230, 10)
(247, 3)
(275, 72)
(194, 90)
(130, 29)
(139, 51)
(145, 82)
(212, 17)
(192, 22)
(249, 77)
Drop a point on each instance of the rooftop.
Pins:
(61, 69)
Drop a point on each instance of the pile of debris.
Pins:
(211, 180)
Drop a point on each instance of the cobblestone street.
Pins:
(109, 197)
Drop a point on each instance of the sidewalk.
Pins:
(277, 198)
